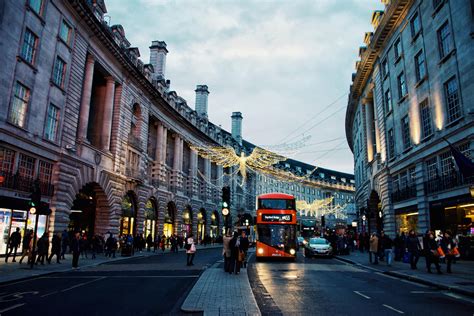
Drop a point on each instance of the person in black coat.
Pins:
(244, 247)
(76, 249)
(430, 248)
(13, 243)
(448, 245)
(43, 247)
(234, 246)
(55, 248)
(413, 247)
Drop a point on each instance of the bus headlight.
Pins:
(260, 251)
(292, 251)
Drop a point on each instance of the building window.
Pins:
(65, 32)
(384, 68)
(26, 166)
(406, 132)
(391, 144)
(52, 122)
(431, 168)
(446, 160)
(19, 105)
(7, 158)
(415, 25)
(59, 72)
(420, 66)
(37, 6)
(402, 87)
(397, 47)
(388, 101)
(45, 171)
(28, 49)
(426, 126)
(445, 40)
(452, 99)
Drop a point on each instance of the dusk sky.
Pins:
(286, 65)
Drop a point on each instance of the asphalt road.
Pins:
(324, 286)
(154, 285)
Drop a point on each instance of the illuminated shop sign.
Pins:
(276, 217)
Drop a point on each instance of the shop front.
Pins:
(149, 226)
(127, 222)
(406, 219)
(168, 225)
(214, 229)
(187, 225)
(456, 215)
(201, 225)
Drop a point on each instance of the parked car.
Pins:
(318, 247)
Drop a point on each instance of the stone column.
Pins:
(164, 145)
(108, 110)
(176, 156)
(86, 99)
(369, 116)
(207, 174)
(193, 176)
(159, 143)
(219, 176)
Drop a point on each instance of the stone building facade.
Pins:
(412, 93)
(101, 130)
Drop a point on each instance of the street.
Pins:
(136, 286)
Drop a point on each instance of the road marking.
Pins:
(49, 294)
(414, 283)
(393, 309)
(423, 292)
(364, 296)
(82, 284)
(11, 307)
(126, 276)
(459, 297)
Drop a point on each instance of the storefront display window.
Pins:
(407, 222)
(5, 219)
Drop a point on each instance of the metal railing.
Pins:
(25, 184)
(404, 193)
(447, 181)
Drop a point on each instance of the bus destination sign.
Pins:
(276, 217)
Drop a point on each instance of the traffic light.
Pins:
(35, 198)
(225, 200)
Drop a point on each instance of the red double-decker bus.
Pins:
(276, 226)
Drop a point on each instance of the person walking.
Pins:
(190, 250)
(226, 251)
(430, 247)
(43, 247)
(110, 246)
(13, 243)
(413, 247)
(55, 248)
(448, 244)
(234, 246)
(76, 249)
(374, 248)
(149, 242)
(84, 245)
(244, 247)
(27, 246)
(387, 245)
(64, 243)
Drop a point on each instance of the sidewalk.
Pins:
(460, 281)
(220, 293)
(13, 271)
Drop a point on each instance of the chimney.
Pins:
(237, 126)
(158, 53)
(201, 100)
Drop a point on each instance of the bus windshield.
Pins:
(276, 204)
(277, 235)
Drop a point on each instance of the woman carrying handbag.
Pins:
(190, 250)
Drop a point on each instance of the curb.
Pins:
(413, 278)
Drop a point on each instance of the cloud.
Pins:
(278, 62)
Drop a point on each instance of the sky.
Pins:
(285, 64)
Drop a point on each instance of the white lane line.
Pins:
(49, 294)
(414, 283)
(129, 276)
(82, 284)
(459, 297)
(364, 296)
(11, 307)
(423, 292)
(393, 309)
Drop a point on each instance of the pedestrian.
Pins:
(234, 245)
(83, 245)
(94, 245)
(156, 244)
(448, 245)
(76, 249)
(244, 247)
(149, 242)
(13, 242)
(55, 248)
(190, 250)
(430, 247)
(64, 243)
(399, 247)
(163, 241)
(43, 247)
(27, 245)
(387, 244)
(110, 246)
(226, 251)
(413, 247)
(374, 248)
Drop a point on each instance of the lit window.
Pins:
(426, 125)
(36, 5)
(19, 105)
(415, 25)
(406, 132)
(452, 99)
(59, 72)
(445, 40)
(28, 49)
(397, 47)
(52, 122)
(7, 158)
(420, 66)
(402, 87)
(45, 171)
(26, 166)
(65, 32)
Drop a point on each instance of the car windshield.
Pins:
(318, 241)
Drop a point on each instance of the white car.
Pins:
(318, 247)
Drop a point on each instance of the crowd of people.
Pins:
(234, 251)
